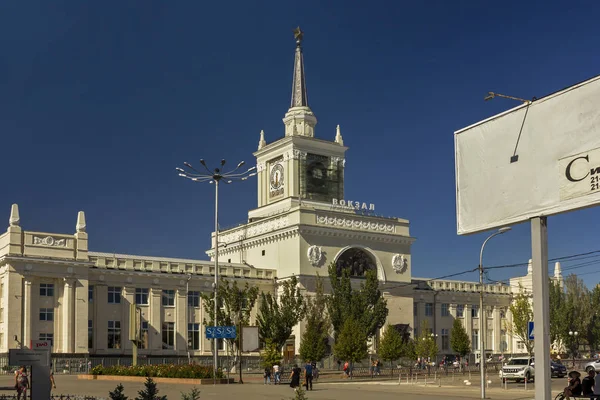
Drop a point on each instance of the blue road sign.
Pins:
(530, 330)
(220, 332)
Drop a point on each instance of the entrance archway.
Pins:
(358, 260)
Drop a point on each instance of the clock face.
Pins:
(276, 179)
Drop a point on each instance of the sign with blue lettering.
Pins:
(530, 330)
(220, 332)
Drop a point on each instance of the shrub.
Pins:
(194, 394)
(189, 371)
(118, 394)
(150, 391)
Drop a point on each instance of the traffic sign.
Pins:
(220, 332)
(530, 330)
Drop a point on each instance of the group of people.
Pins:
(22, 381)
(310, 372)
(587, 387)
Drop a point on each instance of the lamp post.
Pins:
(481, 313)
(573, 336)
(215, 176)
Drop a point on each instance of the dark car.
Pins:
(558, 370)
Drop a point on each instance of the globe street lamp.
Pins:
(481, 313)
(573, 336)
(215, 176)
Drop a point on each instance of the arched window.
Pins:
(357, 261)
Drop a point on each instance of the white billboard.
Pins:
(557, 141)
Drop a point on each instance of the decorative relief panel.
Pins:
(399, 263)
(294, 154)
(49, 241)
(256, 229)
(314, 255)
(355, 223)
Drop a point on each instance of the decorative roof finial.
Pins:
(14, 219)
(262, 142)
(81, 226)
(299, 35)
(299, 97)
(557, 271)
(338, 136)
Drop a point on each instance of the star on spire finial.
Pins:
(299, 35)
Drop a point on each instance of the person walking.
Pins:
(308, 374)
(295, 377)
(21, 382)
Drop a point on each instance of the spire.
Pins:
(299, 120)
(299, 97)
(530, 267)
(557, 271)
(262, 142)
(81, 226)
(338, 136)
(14, 219)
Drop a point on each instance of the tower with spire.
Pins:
(299, 165)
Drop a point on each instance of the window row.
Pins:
(168, 336)
(142, 296)
(460, 310)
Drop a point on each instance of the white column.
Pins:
(68, 320)
(26, 339)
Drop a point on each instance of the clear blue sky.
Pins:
(100, 101)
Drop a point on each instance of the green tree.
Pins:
(276, 319)
(391, 346)
(150, 391)
(459, 339)
(351, 344)
(236, 305)
(118, 393)
(366, 306)
(425, 344)
(271, 355)
(594, 326)
(522, 313)
(578, 313)
(194, 394)
(313, 345)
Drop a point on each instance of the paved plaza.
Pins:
(382, 390)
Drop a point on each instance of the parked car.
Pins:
(558, 370)
(518, 369)
(592, 366)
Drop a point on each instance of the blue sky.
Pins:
(100, 101)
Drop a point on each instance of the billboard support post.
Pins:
(541, 307)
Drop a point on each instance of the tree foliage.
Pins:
(236, 304)
(522, 313)
(366, 306)
(276, 319)
(270, 355)
(351, 343)
(315, 337)
(557, 309)
(391, 346)
(425, 344)
(118, 393)
(150, 391)
(459, 339)
(578, 313)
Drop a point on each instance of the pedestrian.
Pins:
(295, 377)
(308, 375)
(52, 382)
(267, 376)
(21, 382)
(277, 374)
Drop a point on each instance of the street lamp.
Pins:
(215, 176)
(481, 313)
(575, 348)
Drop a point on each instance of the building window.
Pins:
(415, 308)
(46, 314)
(221, 343)
(445, 339)
(144, 335)
(47, 289)
(445, 310)
(168, 298)
(474, 311)
(263, 253)
(168, 335)
(193, 299)
(90, 293)
(194, 336)
(114, 334)
(503, 313)
(520, 346)
(90, 334)
(141, 296)
(475, 339)
(428, 309)
(47, 336)
(460, 311)
(114, 295)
